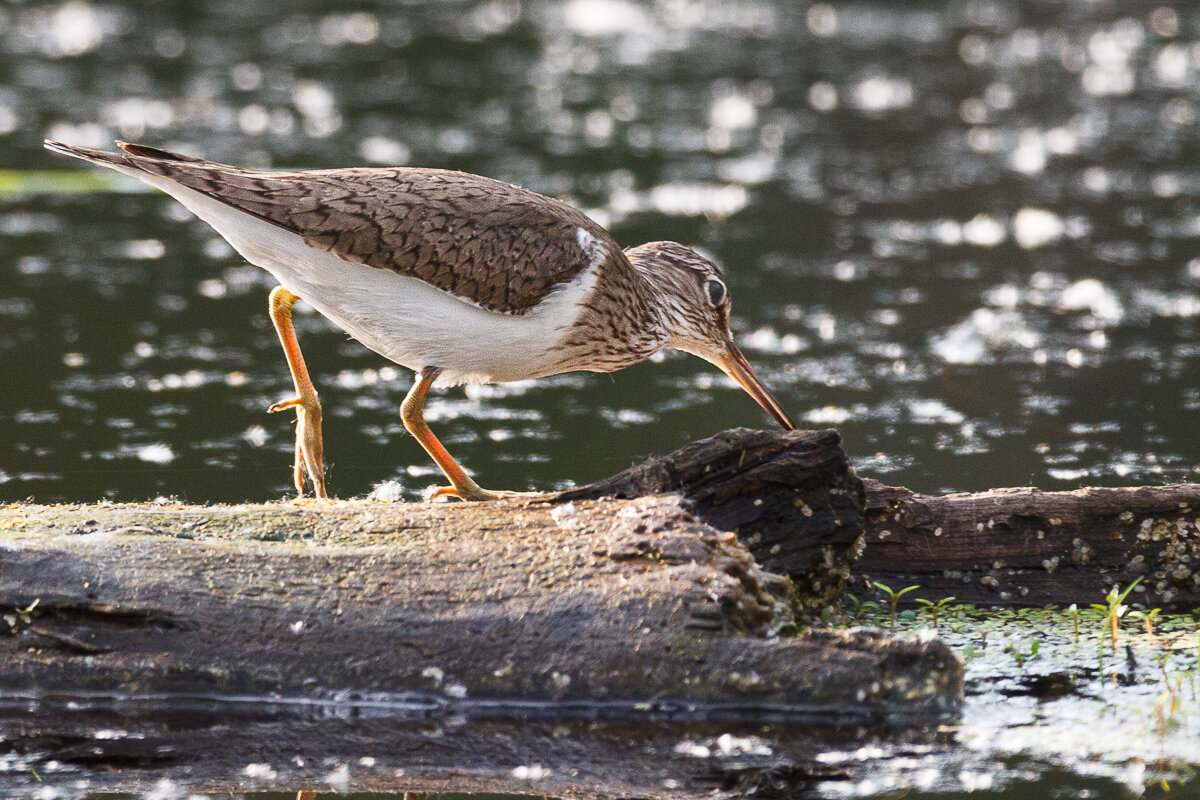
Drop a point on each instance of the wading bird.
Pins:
(460, 278)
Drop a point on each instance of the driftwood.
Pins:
(1028, 547)
(617, 602)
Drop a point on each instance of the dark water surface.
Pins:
(964, 233)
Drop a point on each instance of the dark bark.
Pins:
(792, 498)
(1029, 547)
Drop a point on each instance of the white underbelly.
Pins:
(403, 319)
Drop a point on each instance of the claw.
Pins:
(284, 405)
(309, 445)
(477, 494)
(461, 485)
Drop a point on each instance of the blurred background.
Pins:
(964, 233)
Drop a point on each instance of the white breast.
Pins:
(401, 318)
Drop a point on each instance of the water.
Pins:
(1051, 710)
(965, 235)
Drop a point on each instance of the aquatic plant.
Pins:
(1021, 655)
(1168, 703)
(894, 596)
(935, 608)
(1114, 608)
(1151, 616)
(860, 607)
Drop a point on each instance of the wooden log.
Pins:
(612, 601)
(1023, 546)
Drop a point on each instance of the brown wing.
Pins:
(491, 243)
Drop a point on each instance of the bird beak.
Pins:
(735, 365)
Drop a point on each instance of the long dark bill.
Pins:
(737, 367)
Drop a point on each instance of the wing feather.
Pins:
(493, 244)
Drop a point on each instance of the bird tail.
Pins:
(133, 158)
(88, 154)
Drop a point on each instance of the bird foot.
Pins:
(309, 444)
(320, 501)
(478, 494)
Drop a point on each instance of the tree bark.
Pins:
(615, 601)
(1028, 547)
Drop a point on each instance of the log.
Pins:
(584, 598)
(1023, 546)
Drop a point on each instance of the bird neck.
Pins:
(619, 325)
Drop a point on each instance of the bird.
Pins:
(458, 277)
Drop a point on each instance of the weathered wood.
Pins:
(618, 601)
(792, 498)
(1028, 547)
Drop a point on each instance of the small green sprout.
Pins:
(859, 608)
(1073, 610)
(1022, 655)
(31, 607)
(894, 596)
(1114, 609)
(1151, 617)
(935, 608)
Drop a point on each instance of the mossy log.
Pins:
(586, 597)
(1028, 547)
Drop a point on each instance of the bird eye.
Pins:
(716, 291)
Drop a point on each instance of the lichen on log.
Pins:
(1024, 546)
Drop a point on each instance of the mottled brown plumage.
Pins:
(496, 245)
(458, 277)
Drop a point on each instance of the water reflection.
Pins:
(964, 236)
(1005, 745)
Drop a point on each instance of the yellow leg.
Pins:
(412, 412)
(308, 408)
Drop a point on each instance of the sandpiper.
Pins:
(460, 278)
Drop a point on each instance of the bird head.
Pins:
(693, 303)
